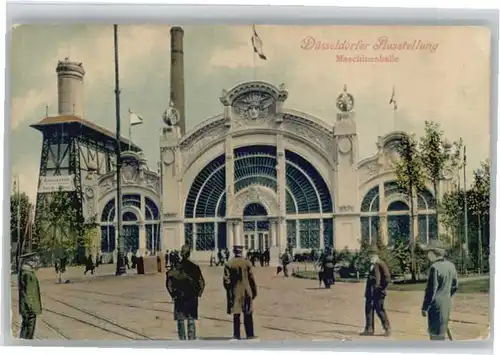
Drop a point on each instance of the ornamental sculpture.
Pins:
(345, 101)
(171, 116)
(254, 105)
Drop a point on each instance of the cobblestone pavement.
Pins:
(106, 307)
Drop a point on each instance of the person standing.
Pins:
(442, 283)
(30, 302)
(286, 259)
(327, 268)
(185, 284)
(241, 289)
(377, 281)
(89, 265)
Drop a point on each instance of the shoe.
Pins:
(387, 333)
(252, 338)
(366, 333)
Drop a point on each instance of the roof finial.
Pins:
(73, 109)
(46, 110)
(345, 87)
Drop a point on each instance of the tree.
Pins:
(410, 178)
(22, 201)
(436, 153)
(480, 205)
(60, 230)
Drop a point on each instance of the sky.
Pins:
(445, 79)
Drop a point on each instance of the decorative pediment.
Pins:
(256, 194)
(254, 100)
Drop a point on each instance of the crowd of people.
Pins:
(185, 284)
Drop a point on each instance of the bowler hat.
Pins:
(237, 249)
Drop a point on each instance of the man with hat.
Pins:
(375, 293)
(442, 283)
(30, 302)
(185, 283)
(241, 290)
(327, 274)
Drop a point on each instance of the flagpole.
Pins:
(253, 54)
(466, 217)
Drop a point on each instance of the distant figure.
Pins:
(185, 284)
(327, 269)
(167, 259)
(241, 290)
(227, 254)
(30, 302)
(267, 257)
(220, 258)
(442, 284)
(89, 265)
(286, 259)
(375, 293)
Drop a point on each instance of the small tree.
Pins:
(410, 178)
(59, 229)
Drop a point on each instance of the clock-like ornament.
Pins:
(168, 157)
(345, 101)
(344, 145)
(171, 116)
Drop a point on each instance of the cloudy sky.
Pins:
(446, 80)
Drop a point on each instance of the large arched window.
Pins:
(306, 192)
(398, 214)
(133, 212)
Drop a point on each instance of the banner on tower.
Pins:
(50, 184)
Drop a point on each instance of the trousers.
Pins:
(191, 329)
(372, 306)
(247, 324)
(28, 326)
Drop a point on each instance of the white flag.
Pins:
(134, 118)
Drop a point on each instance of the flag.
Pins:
(392, 101)
(257, 44)
(134, 118)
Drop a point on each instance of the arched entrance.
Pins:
(256, 227)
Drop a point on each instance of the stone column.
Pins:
(321, 235)
(142, 238)
(382, 207)
(237, 233)
(229, 235)
(195, 232)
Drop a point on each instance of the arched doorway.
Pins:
(255, 227)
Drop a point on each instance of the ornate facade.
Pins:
(260, 175)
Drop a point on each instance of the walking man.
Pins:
(442, 284)
(185, 284)
(30, 302)
(327, 268)
(89, 265)
(375, 293)
(286, 259)
(241, 290)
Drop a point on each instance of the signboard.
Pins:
(56, 183)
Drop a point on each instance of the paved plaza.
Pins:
(137, 307)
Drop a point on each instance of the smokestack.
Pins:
(177, 74)
(70, 88)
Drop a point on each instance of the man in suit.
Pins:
(327, 264)
(30, 302)
(375, 293)
(185, 283)
(442, 284)
(241, 290)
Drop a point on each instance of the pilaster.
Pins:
(142, 238)
(382, 207)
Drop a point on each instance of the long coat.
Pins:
(441, 286)
(185, 283)
(240, 286)
(377, 280)
(30, 301)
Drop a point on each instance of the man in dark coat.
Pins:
(89, 265)
(241, 290)
(286, 259)
(327, 274)
(377, 281)
(185, 284)
(442, 284)
(30, 302)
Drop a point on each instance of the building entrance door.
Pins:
(256, 228)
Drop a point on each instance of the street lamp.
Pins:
(120, 262)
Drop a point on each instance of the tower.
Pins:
(70, 88)
(177, 74)
(74, 150)
(347, 225)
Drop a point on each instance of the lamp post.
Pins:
(120, 262)
(466, 209)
